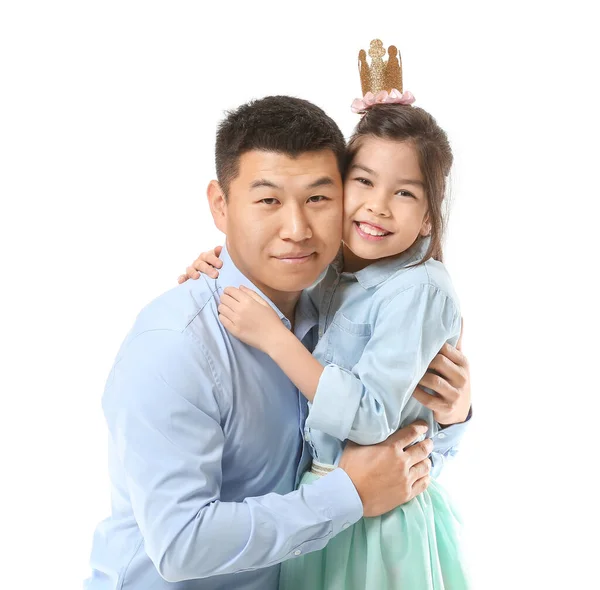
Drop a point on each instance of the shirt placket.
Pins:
(324, 319)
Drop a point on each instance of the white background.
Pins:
(107, 120)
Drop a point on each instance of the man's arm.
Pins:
(161, 404)
(162, 407)
(448, 378)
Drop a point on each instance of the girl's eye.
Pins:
(269, 201)
(364, 181)
(317, 199)
(404, 193)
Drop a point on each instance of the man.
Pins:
(205, 432)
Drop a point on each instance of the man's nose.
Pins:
(295, 225)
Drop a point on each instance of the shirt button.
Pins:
(345, 525)
(297, 552)
(441, 435)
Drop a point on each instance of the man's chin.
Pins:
(292, 278)
(291, 284)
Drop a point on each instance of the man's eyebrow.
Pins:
(262, 182)
(323, 181)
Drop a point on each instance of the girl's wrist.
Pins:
(277, 343)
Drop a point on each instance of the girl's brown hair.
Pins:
(414, 125)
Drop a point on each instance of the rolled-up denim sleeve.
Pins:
(161, 403)
(365, 404)
(446, 443)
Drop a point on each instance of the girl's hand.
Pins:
(206, 263)
(250, 318)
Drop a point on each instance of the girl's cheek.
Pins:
(348, 197)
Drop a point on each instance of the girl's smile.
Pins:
(370, 231)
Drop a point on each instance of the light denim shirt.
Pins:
(379, 329)
(205, 450)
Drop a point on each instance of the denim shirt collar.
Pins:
(382, 270)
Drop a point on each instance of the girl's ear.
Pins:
(425, 226)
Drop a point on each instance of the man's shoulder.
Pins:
(183, 320)
(175, 340)
(177, 309)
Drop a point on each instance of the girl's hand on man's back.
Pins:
(207, 263)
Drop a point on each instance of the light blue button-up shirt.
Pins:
(379, 329)
(205, 450)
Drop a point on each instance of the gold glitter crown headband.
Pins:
(382, 80)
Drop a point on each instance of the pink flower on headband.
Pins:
(360, 105)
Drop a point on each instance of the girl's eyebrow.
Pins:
(408, 181)
(398, 180)
(367, 170)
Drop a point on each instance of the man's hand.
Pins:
(390, 473)
(449, 377)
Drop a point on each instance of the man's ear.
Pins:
(426, 226)
(218, 205)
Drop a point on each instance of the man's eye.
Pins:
(269, 201)
(318, 199)
(364, 181)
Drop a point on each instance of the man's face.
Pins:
(283, 218)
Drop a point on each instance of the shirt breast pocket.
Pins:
(346, 341)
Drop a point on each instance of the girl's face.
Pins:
(385, 205)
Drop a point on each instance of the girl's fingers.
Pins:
(212, 257)
(229, 301)
(254, 295)
(206, 268)
(214, 260)
(233, 293)
(226, 311)
(229, 325)
(207, 259)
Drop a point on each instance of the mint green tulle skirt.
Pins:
(414, 547)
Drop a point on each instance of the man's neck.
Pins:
(285, 302)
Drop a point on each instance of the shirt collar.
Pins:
(381, 271)
(307, 316)
(230, 276)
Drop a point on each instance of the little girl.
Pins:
(386, 307)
